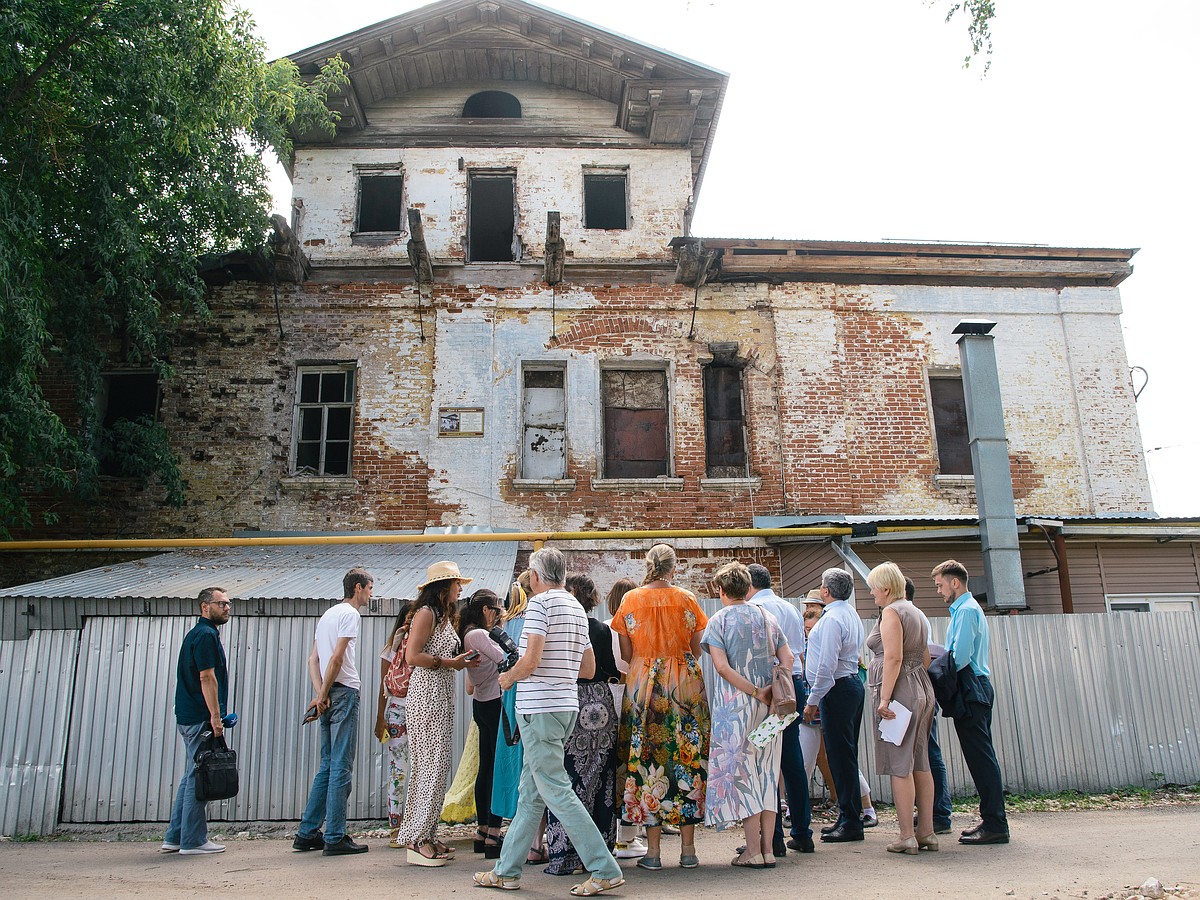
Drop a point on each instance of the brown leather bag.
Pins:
(783, 689)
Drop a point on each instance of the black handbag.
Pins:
(216, 769)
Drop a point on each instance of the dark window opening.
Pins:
(724, 424)
(492, 105)
(635, 423)
(950, 425)
(324, 422)
(491, 225)
(379, 203)
(127, 398)
(604, 202)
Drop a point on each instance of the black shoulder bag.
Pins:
(216, 769)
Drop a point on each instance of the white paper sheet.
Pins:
(893, 730)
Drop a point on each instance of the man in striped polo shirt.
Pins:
(555, 652)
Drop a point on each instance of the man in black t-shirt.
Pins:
(201, 695)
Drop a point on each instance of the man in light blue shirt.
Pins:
(831, 665)
(795, 778)
(967, 643)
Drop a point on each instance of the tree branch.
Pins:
(22, 87)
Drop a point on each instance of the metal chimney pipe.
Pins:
(989, 463)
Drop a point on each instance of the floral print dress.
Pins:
(743, 780)
(663, 741)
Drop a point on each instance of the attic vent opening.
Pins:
(492, 105)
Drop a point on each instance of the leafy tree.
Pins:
(979, 14)
(130, 133)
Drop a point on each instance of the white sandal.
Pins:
(490, 879)
(595, 885)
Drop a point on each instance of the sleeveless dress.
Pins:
(913, 690)
(663, 741)
(430, 719)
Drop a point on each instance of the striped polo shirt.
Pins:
(558, 616)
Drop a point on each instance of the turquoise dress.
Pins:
(506, 774)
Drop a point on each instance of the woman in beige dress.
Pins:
(898, 671)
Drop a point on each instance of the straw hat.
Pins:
(814, 596)
(443, 571)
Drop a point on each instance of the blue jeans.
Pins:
(544, 782)
(331, 786)
(942, 807)
(795, 776)
(189, 827)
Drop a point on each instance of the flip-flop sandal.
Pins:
(595, 885)
(537, 858)
(491, 880)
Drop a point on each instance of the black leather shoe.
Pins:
(985, 837)
(844, 836)
(802, 844)
(316, 842)
(778, 849)
(940, 826)
(972, 830)
(829, 829)
(344, 847)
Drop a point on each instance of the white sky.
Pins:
(856, 121)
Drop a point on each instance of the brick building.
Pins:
(499, 317)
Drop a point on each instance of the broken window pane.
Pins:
(605, 202)
(324, 420)
(544, 418)
(724, 425)
(950, 424)
(490, 228)
(635, 423)
(380, 206)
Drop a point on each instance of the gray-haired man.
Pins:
(555, 652)
(832, 670)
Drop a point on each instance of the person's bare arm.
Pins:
(380, 724)
(892, 633)
(587, 665)
(529, 661)
(321, 701)
(626, 647)
(208, 687)
(695, 644)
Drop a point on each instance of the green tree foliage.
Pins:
(979, 15)
(130, 133)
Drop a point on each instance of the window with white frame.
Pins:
(1157, 603)
(543, 422)
(605, 198)
(637, 437)
(324, 420)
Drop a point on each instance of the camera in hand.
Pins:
(511, 653)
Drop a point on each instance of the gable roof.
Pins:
(661, 96)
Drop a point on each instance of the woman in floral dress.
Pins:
(743, 782)
(663, 742)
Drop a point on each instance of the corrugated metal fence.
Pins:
(1085, 701)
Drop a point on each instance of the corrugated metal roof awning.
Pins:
(281, 573)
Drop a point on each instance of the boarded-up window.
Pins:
(724, 425)
(604, 202)
(324, 420)
(490, 228)
(380, 202)
(635, 423)
(544, 418)
(950, 424)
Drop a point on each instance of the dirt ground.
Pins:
(1077, 854)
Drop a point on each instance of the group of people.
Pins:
(596, 736)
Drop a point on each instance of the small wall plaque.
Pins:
(460, 421)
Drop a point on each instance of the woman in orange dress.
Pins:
(663, 742)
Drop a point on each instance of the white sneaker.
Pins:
(635, 849)
(168, 848)
(206, 847)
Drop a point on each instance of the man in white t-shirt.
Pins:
(334, 673)
(555, 652)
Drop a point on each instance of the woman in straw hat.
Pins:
(433, 652)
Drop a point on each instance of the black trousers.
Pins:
(795, 779)
(841, 719)
(486, 714)
(975, 738)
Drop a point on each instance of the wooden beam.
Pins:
(418, 252)
(556, 249)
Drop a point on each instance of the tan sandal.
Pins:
(490, 879)
(595, 885)
(417, 858)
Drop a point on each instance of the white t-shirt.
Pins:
(557, 616)
(339, 621)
